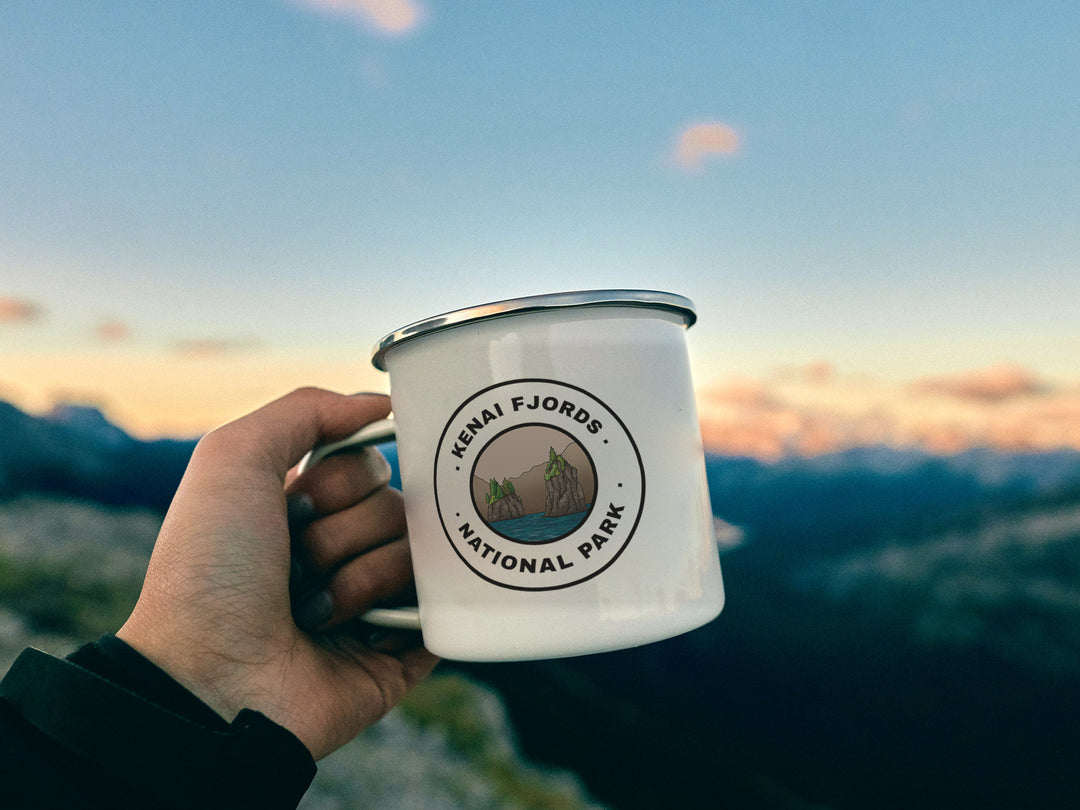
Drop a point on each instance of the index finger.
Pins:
(285, 429)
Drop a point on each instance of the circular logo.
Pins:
(538, 484)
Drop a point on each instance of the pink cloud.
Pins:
(1048, 422)
(699, 141)
(745, 417)
(393, 17)
(206, 348)
(987, 384)
(818, 372)
(739, 392)
(112, 332)
(814, 410)
(16, 310)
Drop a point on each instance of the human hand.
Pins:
(215, 610)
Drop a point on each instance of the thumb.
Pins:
(287, 428)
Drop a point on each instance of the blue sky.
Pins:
(895, 190)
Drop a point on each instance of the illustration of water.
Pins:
(536, 528)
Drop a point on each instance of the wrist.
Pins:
(205, 675)
(224, 684)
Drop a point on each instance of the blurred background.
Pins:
(876, 210)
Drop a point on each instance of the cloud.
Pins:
(815, 410)
(208, 348)
(739, 392)
(699, 141)
(1047, 422)
(744, 417)
(992, 384)
(16, 310)
(112, 332)
(818, 372)
(391, 17)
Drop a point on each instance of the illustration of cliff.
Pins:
(565, 496)
(543, 487)
(503, 502)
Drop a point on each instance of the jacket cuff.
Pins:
(190, 759)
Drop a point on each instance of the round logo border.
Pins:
(439, 509)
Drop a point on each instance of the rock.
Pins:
(506, 508)
(565, 495)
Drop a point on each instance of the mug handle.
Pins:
(403, 618)
(374, 433)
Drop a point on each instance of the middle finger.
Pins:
(341, 480)
(332, 540)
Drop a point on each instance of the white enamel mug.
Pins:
(553, 473)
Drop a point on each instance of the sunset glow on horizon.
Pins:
(804, 411)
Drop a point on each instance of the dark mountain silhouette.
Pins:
(75, 451)
(902, 630)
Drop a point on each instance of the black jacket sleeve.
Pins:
(107, 728)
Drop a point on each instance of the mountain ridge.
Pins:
(76, 450)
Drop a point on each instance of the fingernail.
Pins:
(300, 510)
(297, 577)
(314, 611)
(378, 467)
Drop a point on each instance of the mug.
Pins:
(553, 472)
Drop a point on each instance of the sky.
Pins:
(874, 207)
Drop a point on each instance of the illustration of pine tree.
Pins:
(556, 465)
